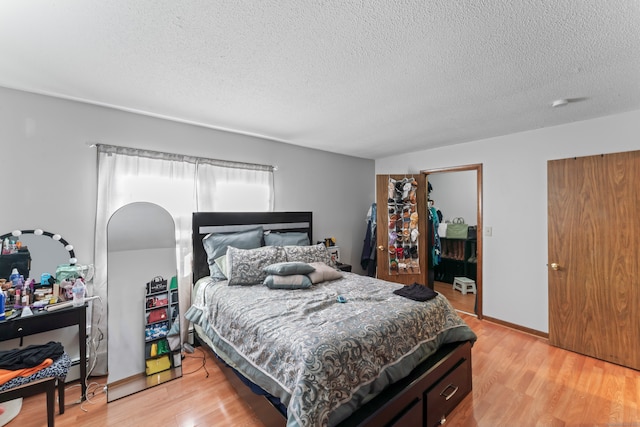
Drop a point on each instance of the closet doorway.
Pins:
(459, 191)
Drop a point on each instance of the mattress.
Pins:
(321, 357)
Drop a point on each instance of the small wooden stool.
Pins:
(464, 285)
(47, 385)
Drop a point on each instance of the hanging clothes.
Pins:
(434, 220)
(368, 257)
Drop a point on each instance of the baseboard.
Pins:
(517, 327)
(74, 371)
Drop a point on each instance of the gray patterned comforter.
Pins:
(323, 358)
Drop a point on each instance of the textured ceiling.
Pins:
(367, 78)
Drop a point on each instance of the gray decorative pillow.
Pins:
(288, 268)
(246, 266)
(215, 244)
(292, 281)
(323, 273)
(309, 254)
(291, 238)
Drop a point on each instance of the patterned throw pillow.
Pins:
(246, 266)
(309, 254)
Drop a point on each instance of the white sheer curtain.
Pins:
(181, 185)
(221, 187)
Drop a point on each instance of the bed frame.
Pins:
(424, 398)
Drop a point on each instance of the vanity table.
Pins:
(44, 321)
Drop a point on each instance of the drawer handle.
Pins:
(449, 395)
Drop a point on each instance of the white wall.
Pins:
(455, 194)
(515, 203)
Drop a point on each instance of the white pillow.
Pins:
(323, 273)
(221, 262)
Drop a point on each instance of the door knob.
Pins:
(555, 266)
(381, 248)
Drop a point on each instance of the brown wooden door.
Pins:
(385, 271)
(594, 251)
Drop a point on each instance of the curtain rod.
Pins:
(183, 157)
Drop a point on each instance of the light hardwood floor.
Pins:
(518, 380)
(465, 303)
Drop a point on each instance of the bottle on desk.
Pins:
(78, 291)
(14, 277)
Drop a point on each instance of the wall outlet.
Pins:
(488, 231)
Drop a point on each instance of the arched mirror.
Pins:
(142, 300)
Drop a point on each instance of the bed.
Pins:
(343, 350)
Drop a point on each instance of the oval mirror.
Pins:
(45, 252)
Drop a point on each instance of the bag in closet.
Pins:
(457, 229)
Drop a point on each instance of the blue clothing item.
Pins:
(436, 249)
(368, 256)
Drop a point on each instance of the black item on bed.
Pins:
(416, 292)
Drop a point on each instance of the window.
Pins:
(180, 184)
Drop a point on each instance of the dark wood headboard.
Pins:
(204, 223)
